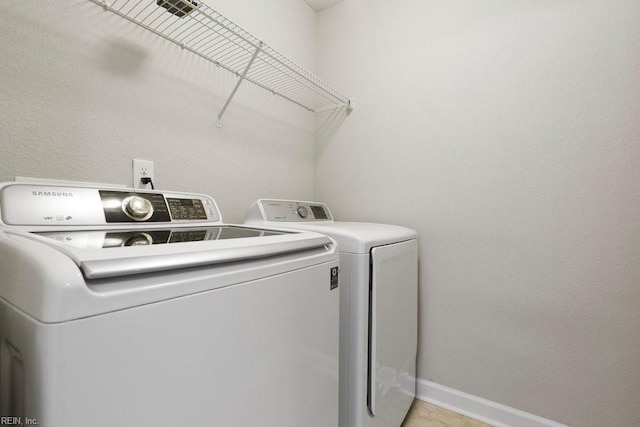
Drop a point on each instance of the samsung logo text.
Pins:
(51, 194)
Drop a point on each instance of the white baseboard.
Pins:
(478, 408)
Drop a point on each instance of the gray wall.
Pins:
(83, 92)
(508, 134)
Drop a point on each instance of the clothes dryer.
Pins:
(124, 307)
(378, 308)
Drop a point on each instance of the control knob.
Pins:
(302, 211)
(137, 208)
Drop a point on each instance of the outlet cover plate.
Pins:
(142, 169)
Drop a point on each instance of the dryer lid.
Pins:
(352, 237)
(358, 237)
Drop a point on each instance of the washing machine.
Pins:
(124, 307)
(378, 279)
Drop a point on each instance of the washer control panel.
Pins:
(44, 205)
(294, 211)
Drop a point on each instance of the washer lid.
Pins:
(110, 253)
(54, 282)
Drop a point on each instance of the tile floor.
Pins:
(423, 414)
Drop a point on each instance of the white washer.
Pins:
(378, 309)
(122, 307)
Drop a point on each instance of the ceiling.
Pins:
(318, 5)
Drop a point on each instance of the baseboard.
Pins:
(478, 408)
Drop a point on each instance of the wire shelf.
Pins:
(198, 28)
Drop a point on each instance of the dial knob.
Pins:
(137, 208)
(302, 211)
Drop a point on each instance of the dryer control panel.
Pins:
(45, 205)
(293, 211)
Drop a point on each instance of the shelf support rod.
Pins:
(235, 89)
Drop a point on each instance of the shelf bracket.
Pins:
(235, 89)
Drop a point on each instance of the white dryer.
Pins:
(121, 307)
(378, 309)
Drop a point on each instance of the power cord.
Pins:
(147, 180)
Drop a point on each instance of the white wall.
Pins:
(508, 135)
(83, 92)
(505, 132)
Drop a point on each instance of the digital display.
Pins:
(318, 212)
(186, 209)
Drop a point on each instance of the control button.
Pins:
(302, 211)
(137, 208)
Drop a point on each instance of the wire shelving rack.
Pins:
(198, 28)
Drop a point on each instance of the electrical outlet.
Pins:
(142, 169)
